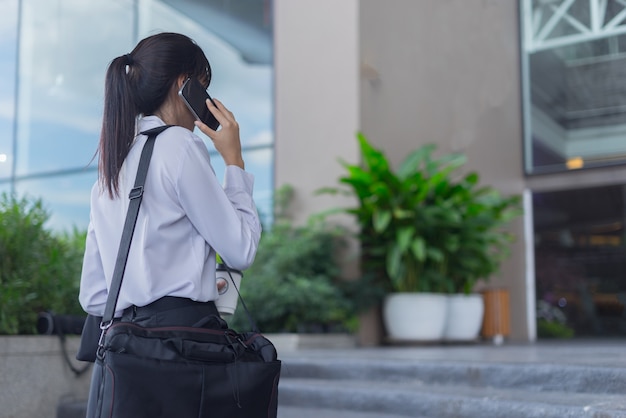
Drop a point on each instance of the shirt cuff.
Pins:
(237, 178)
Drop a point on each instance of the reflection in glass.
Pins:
(63, 57)
(580, 261)
(8, 49)
(575, 84)
(66, 198)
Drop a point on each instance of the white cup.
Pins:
(228, 295)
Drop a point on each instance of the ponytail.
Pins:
(118, 122)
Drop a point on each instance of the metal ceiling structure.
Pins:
(244, 24)
(556, 23)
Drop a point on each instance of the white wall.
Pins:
(317, 97)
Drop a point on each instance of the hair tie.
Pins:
(129, 59)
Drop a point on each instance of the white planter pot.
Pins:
(464, 318)
(415, 316)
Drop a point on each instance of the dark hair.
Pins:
(137, 84)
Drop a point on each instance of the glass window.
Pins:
(574, 68)
(8, 58)
(66, 197)
(64, 48)
(580, 262)
(63, 59)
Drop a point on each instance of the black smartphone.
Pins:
(194, 95)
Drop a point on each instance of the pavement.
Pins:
(583, 352)
(560, 379)
(567, 378)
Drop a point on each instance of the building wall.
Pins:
(437, 71)
(448, 72)
(316, 97)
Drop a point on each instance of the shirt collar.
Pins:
(149, 122)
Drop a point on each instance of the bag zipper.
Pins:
(227, 332)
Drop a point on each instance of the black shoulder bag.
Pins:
(177, 371)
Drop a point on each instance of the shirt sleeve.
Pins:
(226, 217)
(93, 292)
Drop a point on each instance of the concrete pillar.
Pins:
(316, 59)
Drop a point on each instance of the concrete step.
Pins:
(534, 377)
(314, 412)
(78, 409)
(340, 386)
(417, 399)
(71, 409)
(441, 388)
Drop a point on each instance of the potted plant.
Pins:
(414, 231)
(483, 243)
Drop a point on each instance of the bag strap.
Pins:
(135, 196)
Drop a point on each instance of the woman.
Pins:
(186, 215)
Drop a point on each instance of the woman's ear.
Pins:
(180, 81)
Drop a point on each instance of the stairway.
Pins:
(359, 387)
(536, 380)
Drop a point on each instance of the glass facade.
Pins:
(574, 89)
(55, 53)
(580, 260)
(8, 65)
(575, 84)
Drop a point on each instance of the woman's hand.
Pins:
(226, 139)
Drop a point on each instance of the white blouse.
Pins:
(186, 216)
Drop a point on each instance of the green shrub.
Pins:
(294, 284)
(38, 270)
(547, 329)
(551, 321)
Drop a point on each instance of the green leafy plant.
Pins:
(294, 283)
(422, 227)
(547, 329)
(38, 269)
(552, 322)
